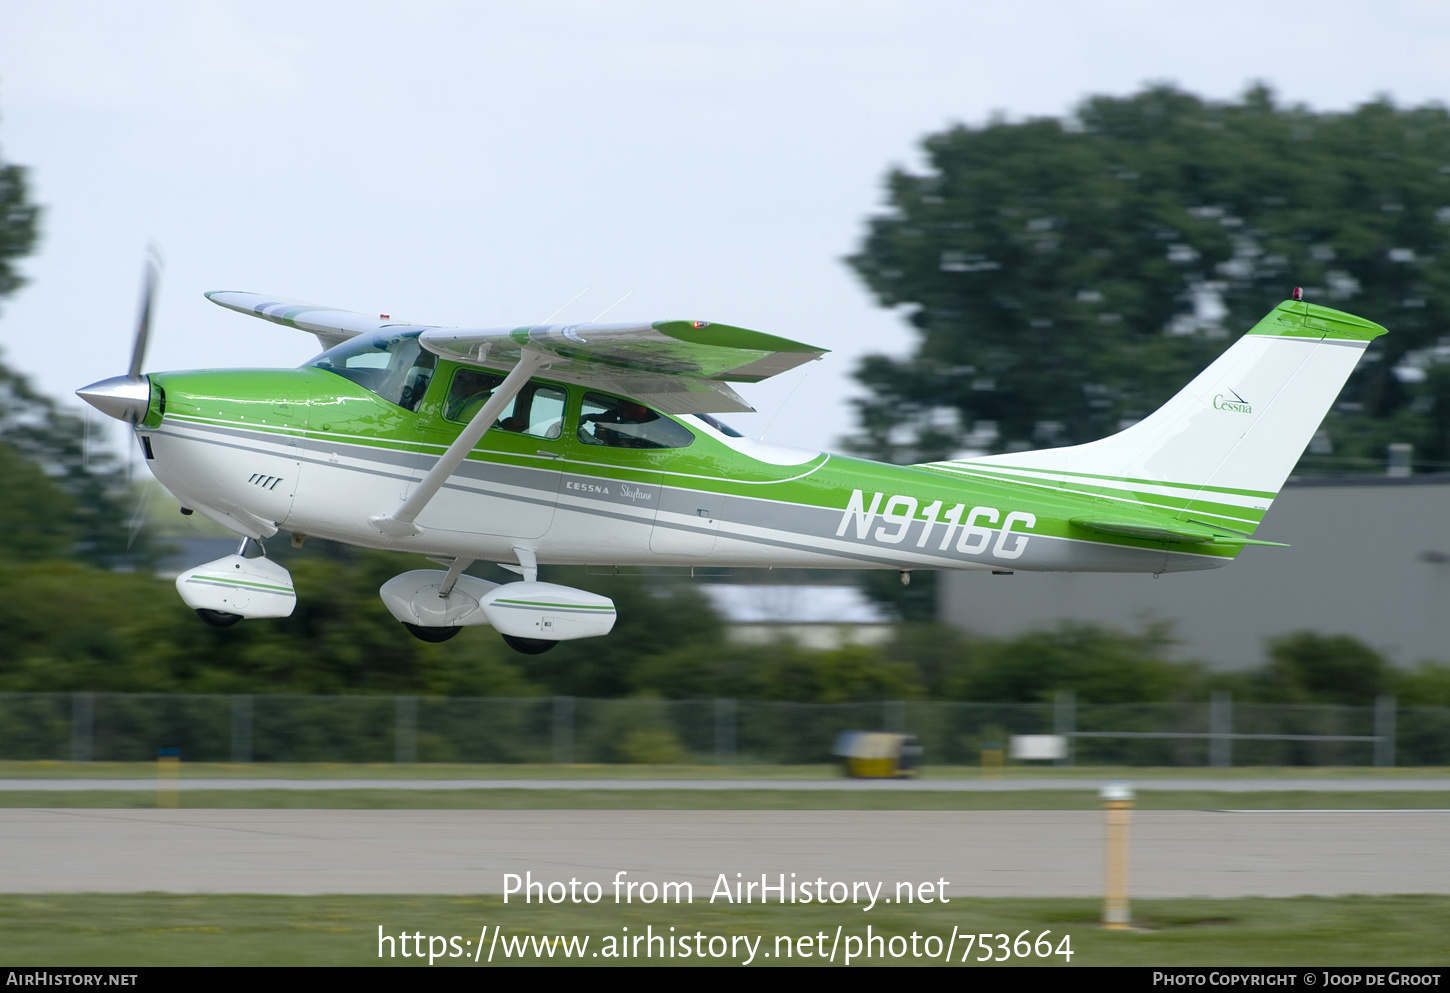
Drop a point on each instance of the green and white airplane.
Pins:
(594, 444)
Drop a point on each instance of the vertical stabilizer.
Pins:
(1220, 450)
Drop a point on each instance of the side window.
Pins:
(626, 424)
(538, 410)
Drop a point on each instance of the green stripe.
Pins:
(1229, 512)
(227, 581)
(1194, 487)
(727, 336)
(555, 606)
(1299, 319)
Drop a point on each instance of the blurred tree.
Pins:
(1427, 685)
(1099, 664)
(88, 499)
(1068, 276)
(18, 225)
(914, 603)
(1308, 667)
(36, 516)
(654, 619)
(69, 626)
(78, 501)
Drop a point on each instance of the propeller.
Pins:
(128, 397)
(150, 275)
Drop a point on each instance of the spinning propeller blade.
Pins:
(128, 397)
(143, 320)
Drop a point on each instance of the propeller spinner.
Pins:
(128, 397)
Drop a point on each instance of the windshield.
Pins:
(394, 366)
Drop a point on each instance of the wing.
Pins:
(331, 326)
(680, 367)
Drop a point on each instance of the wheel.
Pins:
(217, 618)
(434, 635)
(529, 646)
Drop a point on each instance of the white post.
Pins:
(1118, 804)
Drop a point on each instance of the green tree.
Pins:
(654, 619)
(1308, 667)
(72, 482)
(19, 224)
(1069, 275)
(1099, 664)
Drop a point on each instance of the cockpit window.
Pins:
(625, 424)
(394, 366)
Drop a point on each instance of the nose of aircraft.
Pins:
(121, 397)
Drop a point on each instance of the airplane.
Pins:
(597, 444)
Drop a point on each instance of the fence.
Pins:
(122, 727)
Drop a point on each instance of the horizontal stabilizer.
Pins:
(1178, 532)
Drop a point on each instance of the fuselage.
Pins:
(577, 480)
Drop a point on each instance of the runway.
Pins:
(978, 853)
(1380, 785)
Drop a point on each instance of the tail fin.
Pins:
(1219, 451)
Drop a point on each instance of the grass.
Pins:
(212, 930)
(625, 799)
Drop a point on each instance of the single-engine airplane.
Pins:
(595, 444)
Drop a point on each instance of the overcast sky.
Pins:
(484, 163)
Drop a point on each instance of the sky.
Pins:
(496, 164)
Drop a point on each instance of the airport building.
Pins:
(1369, 557)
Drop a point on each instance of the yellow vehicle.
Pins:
(878, 755)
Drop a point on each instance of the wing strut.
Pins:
(399, 524)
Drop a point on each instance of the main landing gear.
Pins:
(529, 646)
(431, 634)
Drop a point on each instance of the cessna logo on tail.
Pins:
(1238, 404)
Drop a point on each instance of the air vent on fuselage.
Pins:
(264, 481)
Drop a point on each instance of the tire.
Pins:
(433, 635)
(529, 646)
(217, 618)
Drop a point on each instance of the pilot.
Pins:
(611, 427)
